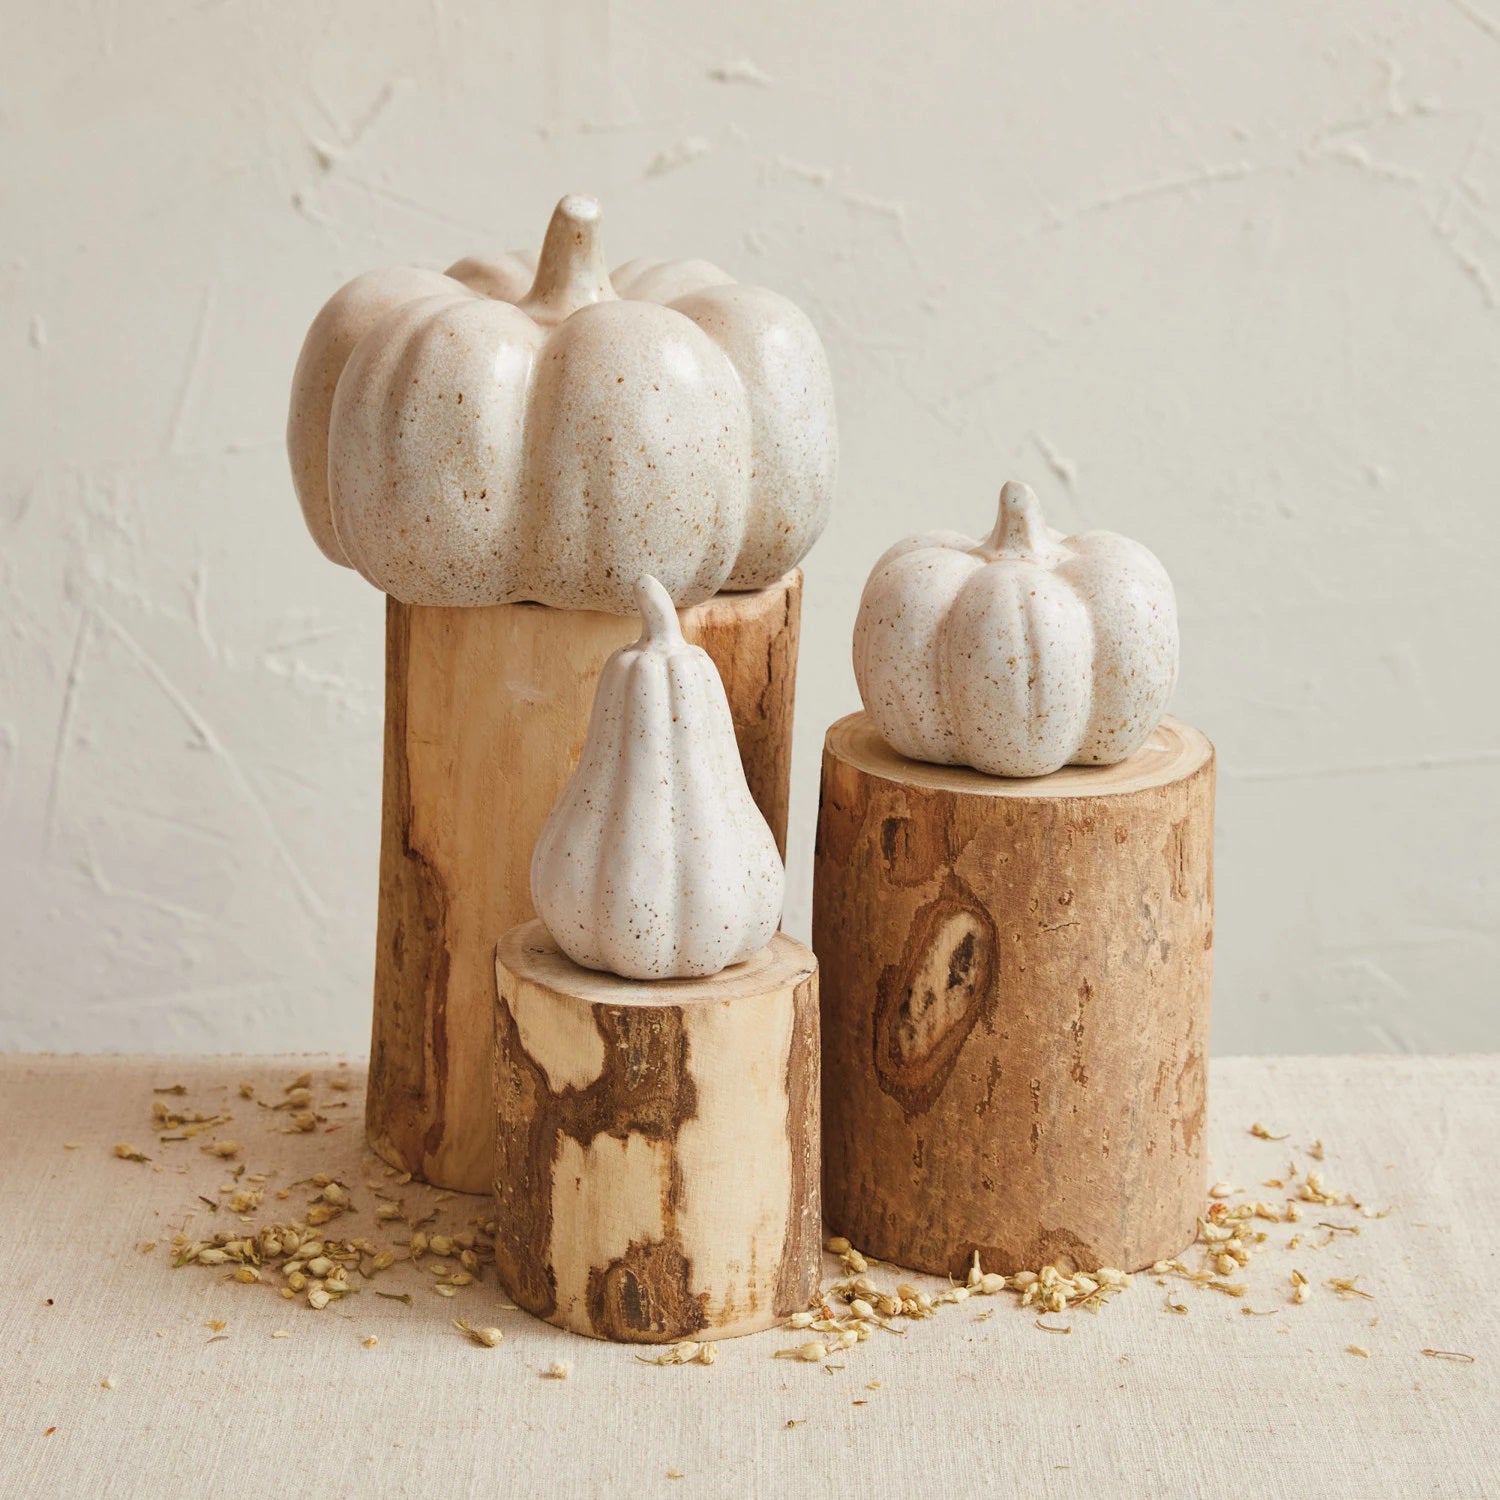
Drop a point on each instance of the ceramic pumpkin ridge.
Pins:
(655, 862)
(1020, 653)
(516, 430)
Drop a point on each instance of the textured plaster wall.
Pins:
(1223, 277)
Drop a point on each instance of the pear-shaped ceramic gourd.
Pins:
(656, 863)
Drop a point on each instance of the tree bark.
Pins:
(1016, 979)
(486, 711)
(656, 1176)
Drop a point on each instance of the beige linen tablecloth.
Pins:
(119, 1380)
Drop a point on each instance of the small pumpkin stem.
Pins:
(658, 613)
(1020, 530)
(571, 271)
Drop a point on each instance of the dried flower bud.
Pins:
(810, 1352)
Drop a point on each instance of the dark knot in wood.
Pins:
(929, 1000)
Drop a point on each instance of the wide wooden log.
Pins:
(486, 711)
(656, 1176)
(1015, 993)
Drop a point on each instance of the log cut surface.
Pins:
(1015, 992)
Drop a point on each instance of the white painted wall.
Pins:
(1223, 277)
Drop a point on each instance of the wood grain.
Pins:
(486, 712)
(1015, 992)
(656, 1171)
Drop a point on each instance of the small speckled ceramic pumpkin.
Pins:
(513, 431)
(656, 863)
(1018, 654)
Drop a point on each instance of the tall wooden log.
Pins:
(1015, 981)
(656, 1176)
(486, 711)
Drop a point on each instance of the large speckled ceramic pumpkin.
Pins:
(510, 431)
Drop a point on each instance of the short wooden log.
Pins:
(1015, 999)
(486, 711)
(656, 1171)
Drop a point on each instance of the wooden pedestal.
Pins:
(656, 1173)
(485, 715)
(1015, 982)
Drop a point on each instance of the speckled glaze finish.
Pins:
(524, 429)
(1018, 654)
(656, 862)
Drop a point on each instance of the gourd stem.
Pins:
(658, 613)
(1019, 530)
(571, 271)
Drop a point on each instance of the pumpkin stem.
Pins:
(658, 613)
(1019, 530)
(570, 272)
